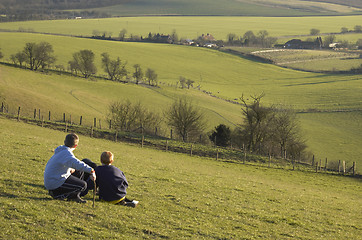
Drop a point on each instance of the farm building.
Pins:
(299, 44)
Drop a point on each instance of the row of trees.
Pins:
(356, 29)
(37, 56)
(264, 130)
(262, 39)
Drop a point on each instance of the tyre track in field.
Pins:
(173, 98)
(72, 94)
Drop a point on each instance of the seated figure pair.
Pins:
(66, 177)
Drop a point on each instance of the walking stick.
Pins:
(94, 192)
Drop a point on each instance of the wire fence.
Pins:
(96, 129)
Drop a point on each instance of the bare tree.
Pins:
(39, 55)
(114, 68)
(122, 34)
(83, 61)
(151, 75)
(128, 116)
(138, 74)
(188, 120)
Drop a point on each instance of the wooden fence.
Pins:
(68, 124)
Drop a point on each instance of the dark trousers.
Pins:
(75, 186)
(71, 188)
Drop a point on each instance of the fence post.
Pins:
(115, 139)
(244, 159)
(80, 120)
(354, 168)
(269, 159)
(66, 126)
(217, 154)
(293, 162)
(155, 131)
(316, 166)
(70, 119)
(142, 142)
(99, 122)
(91, 131)
(2, 107)
(110, 124)
(39, 113)
(18, 114)
(339, 166)
(166, 145)
(191, 150)
(313, 161)
(42, 121)
(34, 113)
(63, 117)
(171, 133)
(95, 122)
(344, 167)
(320, 164)
(325, 166)
(49, 115)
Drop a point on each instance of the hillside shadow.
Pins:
(23, 187)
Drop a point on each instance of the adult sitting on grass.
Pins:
(112, 182)
(57, 175)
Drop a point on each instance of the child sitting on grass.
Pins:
(112, 182)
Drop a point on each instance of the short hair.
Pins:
(106, 157)
(71, 140)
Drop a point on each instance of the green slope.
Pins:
(192, 27)
(224, 75)
(181, 197)
(228, 8)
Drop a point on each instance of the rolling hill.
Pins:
(326, 102)
(181, 197)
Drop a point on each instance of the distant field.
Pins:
(224, 75)
(312, 60)
(181, 197)
(232, 7)
(192, 27)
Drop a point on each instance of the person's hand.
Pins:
(72, 170)
(93, 175)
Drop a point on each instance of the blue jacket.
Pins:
(112, 183)
(58, 167)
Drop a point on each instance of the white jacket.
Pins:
(59, 165)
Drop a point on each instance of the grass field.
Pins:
(230, 7)
(312, 60)
(224, 75)
(177, 199)
(192, 27)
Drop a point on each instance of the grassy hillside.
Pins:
(231, 7)
(192, 27)
(177, 199)
(224, 75)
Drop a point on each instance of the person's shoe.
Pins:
(133, 204)
(77, 199)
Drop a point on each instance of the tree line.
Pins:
(40, 56)
(264, 130)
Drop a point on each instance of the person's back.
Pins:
(112, 182)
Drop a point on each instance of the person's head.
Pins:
(106, 158)
(71, 140)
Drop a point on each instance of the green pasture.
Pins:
(224, 75)
(323, 130)
(231, 7)
(181, 197)
(90, 98)
(192, 27)
(311, 60)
